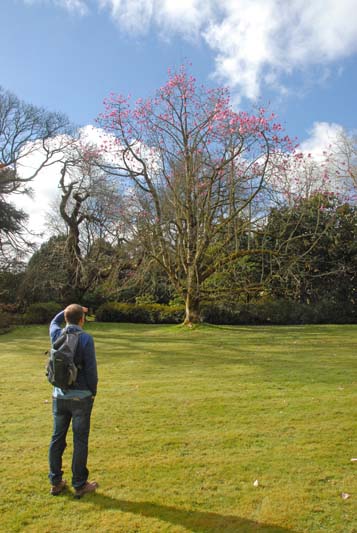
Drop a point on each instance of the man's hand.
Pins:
(85, 309)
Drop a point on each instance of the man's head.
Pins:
(73, 314)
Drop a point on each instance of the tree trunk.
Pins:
(192, 301)
(192, 315)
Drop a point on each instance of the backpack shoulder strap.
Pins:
(78, 356)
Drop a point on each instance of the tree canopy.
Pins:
(193, 169)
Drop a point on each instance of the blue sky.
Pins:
(299, 55)
(67, 55)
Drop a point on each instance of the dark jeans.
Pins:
(79, 411)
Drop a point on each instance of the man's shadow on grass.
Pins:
(196, 521)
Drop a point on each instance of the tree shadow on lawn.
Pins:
(196, 521)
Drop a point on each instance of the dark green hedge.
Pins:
(41, 313)
(277, 312)
(5, 323)
(281, 312)
(141, 313)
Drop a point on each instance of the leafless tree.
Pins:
(88, 208)
(26, 130)
(344, 163)
(30, 139)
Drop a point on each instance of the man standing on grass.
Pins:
(74, 403)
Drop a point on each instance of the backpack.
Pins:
(61, 369)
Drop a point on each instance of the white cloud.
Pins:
(45, 186)
(45, 190)
(322, 138)
(255, 42)
(186, 17)
(313, 167)
(244, 43)
(302, 177)
(262, 39)
(316, 169)
(130, 15)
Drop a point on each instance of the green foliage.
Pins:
(281, 312)
(9, 316)
(41, 313)
(176, 301)
(5, 323)
(9, 284)
(305, 275)
(170, 314)
(314, 251)
(145, 299)
(93, 299)
(328, 311)
(141, 313)
(11, 219)
(277, 312)
(46, 275)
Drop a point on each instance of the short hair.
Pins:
(73, 314)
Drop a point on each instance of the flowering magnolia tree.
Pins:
(195, 171)
(301, 176)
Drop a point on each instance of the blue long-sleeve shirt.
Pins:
(87, 378)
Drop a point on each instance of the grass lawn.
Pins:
(184, 423)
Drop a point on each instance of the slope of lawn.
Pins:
(184, 423)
